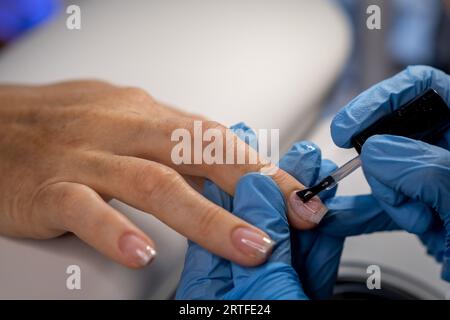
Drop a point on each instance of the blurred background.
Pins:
(413, 32)
(285, 64)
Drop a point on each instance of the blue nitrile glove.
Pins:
(259, 201)
(317, 254)
(410, 179)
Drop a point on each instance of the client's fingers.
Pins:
(300, 159)
(157, 189)
(208, 149)
(81, 210)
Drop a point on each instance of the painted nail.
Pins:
(312, 210)
(252, 243)
(136, 249)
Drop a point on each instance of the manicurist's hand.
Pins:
(303, 263)
(410, 179)
(66, 147)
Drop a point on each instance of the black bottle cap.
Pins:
(424, 118)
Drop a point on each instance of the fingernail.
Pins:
(136, 250)
(312, 210)
(252, 243)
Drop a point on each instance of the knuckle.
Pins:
(91, 82)
(282, 178)
(207, 125)
(208, 221)
(66, 199)
(40, 232)
(138, 127)
(157, 181)
(136, 94)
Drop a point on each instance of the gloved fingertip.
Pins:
(305, 147)
(302, 161)
(339, 128)
(240, 125)
(246, 134)
(327, 168)
(253, 189)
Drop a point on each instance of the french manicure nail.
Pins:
(136, 249)
(312, 210)
(252, 243)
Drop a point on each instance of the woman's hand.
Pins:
(66, 147)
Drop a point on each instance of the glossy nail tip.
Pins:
(136, 250)
(146, 255)
(313, 210)
(269, 242)
(264, 248)
(317, 216)
(253, 243)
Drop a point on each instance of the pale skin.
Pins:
(67, 148)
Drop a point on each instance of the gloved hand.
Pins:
(258, 199)
(316, 254)
(207, 276)
(410, 179)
